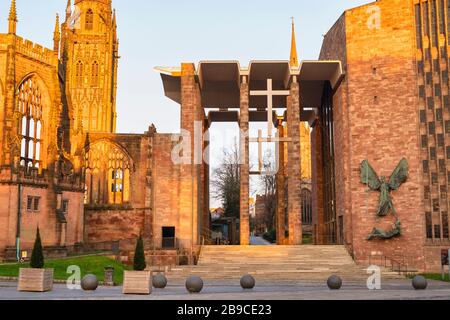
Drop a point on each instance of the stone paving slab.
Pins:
(393, 290)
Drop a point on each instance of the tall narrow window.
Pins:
(89, 20)
(441, 17)
(426, 27)
(94, 74)
(445, 225)
(429, 225)
(30, 109)
(418, 26)
(79, 74)
(448, 20)
(434, 23)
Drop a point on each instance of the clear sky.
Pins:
(168, 32)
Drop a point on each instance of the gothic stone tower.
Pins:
(39, 185)
(89, 48)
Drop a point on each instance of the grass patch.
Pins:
(88, 265)
(435, 276)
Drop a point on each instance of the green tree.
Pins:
(139, 256)
(37, 256)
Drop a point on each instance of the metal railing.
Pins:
(398, 265)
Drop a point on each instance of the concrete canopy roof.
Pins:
(219, 81)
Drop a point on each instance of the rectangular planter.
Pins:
(137, 282)
(35, 280)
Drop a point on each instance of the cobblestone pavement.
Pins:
(393, 290)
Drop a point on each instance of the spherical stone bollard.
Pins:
(89, 283)
(159, 281)
(334, 282)
(194, 284)
(419, 283)
(248, 282)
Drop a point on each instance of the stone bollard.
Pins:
(194, 284)
(248, 282)
(89, 283)
(334, 282)
(159, 281)
(109, 276)
(419, 283)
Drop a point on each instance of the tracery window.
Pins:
(30, 127)
(94, 74)
(89, 20)
(79, 74)
(107, 174)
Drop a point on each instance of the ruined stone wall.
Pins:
(112, 222)
(113, 225)
(166, 177)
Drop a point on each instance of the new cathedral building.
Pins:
(377, 96)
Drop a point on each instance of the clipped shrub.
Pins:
(139, 256)
(37, 256)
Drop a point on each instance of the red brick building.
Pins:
(392, 103)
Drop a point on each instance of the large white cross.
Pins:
(270, 93)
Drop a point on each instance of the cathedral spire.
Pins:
(56, 35)
(114, 25)
(294, 57)
(68, 9)
(12, 20)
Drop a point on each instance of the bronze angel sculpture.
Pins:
(370, 178)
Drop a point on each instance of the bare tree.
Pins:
(269, 186)
(226, 181)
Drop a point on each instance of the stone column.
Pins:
(281, 194)
(8, 122)
(205, 220)
(147, 145)
(245, 163)
(317, 183)
(294, 165)
(187, 229)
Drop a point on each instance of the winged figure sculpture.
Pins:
(385, 186)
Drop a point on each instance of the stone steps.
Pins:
(274, 263)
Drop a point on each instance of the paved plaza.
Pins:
(393, 290)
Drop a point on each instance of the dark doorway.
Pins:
(329, 188)
(168, 237)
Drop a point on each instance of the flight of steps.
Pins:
(274, 263)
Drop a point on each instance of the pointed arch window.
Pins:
(89, 19)
(30, 125)
(79, 74)
(94, 74)
(108, 170)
